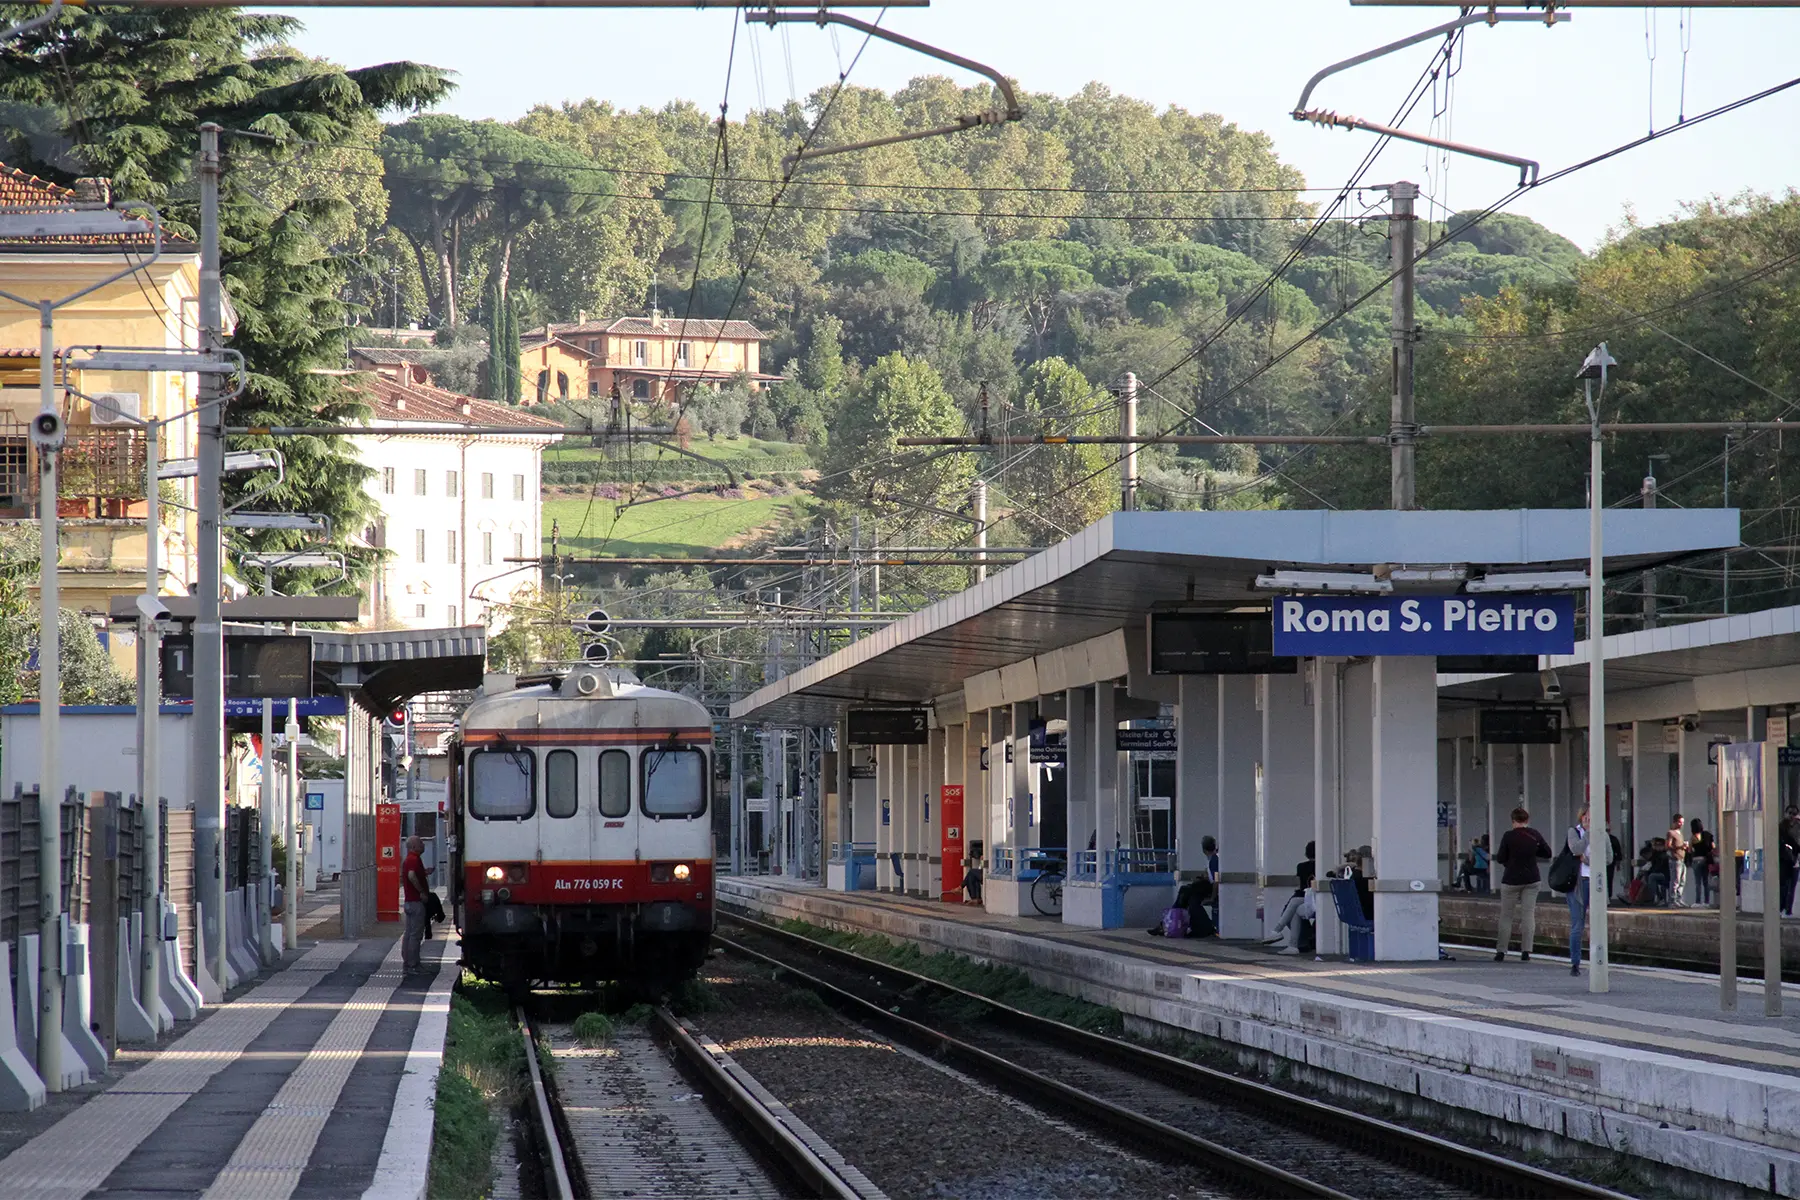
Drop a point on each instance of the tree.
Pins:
(536, 628)
(504, 372)
(120, 93)
(1059, 491)
(897, 398)
(451, 180)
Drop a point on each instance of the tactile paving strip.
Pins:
(79, 1152)
(267, 1164)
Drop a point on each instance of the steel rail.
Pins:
(540, 1106)
(799, 1159)
(1396, 1144)
(1148, 1133)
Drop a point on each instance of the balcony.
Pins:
(102, 473)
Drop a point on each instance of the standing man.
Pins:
(412, 882)
(1520, 849)
(1790, 857)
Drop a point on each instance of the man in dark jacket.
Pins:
(1520, 850)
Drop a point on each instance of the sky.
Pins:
(1553, 94)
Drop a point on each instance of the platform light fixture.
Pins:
(1349, 582)
(1529, 581)
(242, 460)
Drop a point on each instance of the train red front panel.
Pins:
(626, 882)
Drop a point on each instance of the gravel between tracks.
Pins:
(914, 1127)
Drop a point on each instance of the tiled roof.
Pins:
(697, 327)
(19, 189)
(536, 341)
(392, 400)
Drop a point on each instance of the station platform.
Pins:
(1685, 937)
(1653, 1068)
(315, 1081)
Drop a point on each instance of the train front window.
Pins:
(615, 783)
(501, 783)
(674, 783)
(559, 783)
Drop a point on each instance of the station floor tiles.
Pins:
(1667, 1011)
(306, 1084)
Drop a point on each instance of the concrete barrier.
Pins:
(20, 1088)
(78, 997)
(133, 1023)
(179, 992)
(212, 991)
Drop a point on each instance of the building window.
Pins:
(387, 480)
(418, 610)
(593, 388)
(518, 487)
(640, 389)
(418, 545)
(562, 384)
(419, 482)
(453, 616)
(487, 485)
(543, 386)
(683, 354)
(451, 484)
(487, 549)
(640, 353)
(518, 545)
(450, 546)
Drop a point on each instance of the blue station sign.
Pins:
(1359, 625)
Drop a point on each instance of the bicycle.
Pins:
(1047, 888)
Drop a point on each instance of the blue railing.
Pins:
(1043, 860)
(1000, 862)
(1140, 866)
(1086, 866)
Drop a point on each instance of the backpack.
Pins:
(1634, 892)
(1175, 922)
(1565, 871)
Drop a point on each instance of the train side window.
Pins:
(674, 783)
(615, 783)
(559, 783)
(501, 783)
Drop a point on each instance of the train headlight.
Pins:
(504, 894)
(682, 871)
(496, 874)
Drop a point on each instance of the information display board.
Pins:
(1521, 726)
(257, 666)
(1201, 643)
(889, 726)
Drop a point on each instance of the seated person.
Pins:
(972, 879)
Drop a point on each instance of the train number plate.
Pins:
(590, 885)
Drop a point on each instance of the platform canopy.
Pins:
(1108, 576)
(1698, 666)
(384, 668)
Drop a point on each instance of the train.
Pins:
(582, 849)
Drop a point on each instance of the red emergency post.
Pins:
(387, 862)
(951, 821)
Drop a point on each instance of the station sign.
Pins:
(1420, 625)
(889, 726)
(1054, 749)
(1145, 739)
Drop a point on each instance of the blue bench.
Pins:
(1350, 914)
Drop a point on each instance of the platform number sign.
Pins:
(889, 726)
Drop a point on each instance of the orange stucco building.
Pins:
(648, 356)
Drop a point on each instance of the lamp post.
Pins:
(1595, 367)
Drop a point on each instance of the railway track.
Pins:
(1262, 1139)
(618, 1121)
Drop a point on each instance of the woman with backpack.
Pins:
(1578, 844)
(1702, 855)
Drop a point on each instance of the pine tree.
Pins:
(121, 93)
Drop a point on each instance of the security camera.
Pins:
(47, 431)
(1551, 685)
(152, 609)
(1690, 724)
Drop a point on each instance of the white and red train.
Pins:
(583, 851)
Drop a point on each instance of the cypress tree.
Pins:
(513, 371)
(498, 377)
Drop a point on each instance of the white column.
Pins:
(975, 818)
(1405, 739)
(886, 764)
(931, 856)
(1081, 769)
(1555, 819)
(1490, 757)
(1021, 830)
(1196, 770)
(1356, 723)
(1283, 828)
(1105, 763)
(1240, 743)
(1449, 792)
(1326, 715)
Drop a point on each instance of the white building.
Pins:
(454, 507)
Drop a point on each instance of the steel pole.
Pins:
(290, 899)
(50, 940)
(150, 732)
(981, 527)
(1402, 419)
(265, 887)
(1128, 398)
(1599, 832)
(209, 644)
